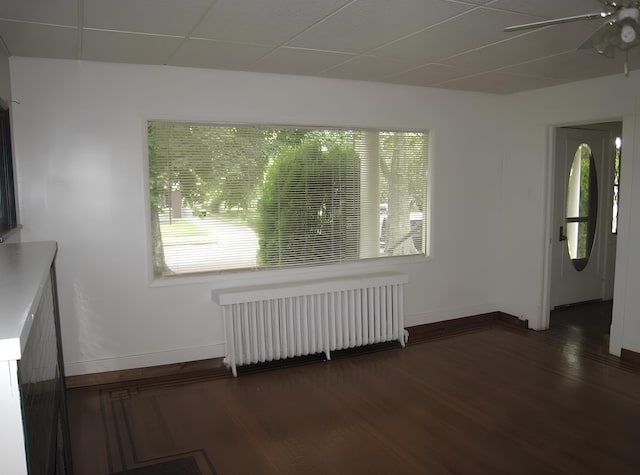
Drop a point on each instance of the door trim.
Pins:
(549, 227)
(549, 221)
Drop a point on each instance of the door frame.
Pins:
(549, 212)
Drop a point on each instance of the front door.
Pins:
(579, 240)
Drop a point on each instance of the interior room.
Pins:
(83, 79)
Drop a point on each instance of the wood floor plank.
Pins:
(487, 401)
(89, 432)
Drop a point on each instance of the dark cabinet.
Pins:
(32, 388)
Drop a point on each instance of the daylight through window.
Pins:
(229, 197)
(616, 186)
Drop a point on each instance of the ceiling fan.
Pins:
(621, 29)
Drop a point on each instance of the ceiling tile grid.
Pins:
(366, 67)
(430, 75)
(501, 83)
(270, 22)
(456, 44)
(574, 66)
(55, 12)
(527, 46)
(201, 53)
(472, 30)
(125, 47)
(367, 24)
(549, 8)
(144, 16)
(297, 61)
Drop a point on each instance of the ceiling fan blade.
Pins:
(557, 21)
(615, 34)
(602, 36)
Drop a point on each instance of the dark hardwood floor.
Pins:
(491, 400)
(583, 326)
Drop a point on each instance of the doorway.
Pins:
(584, 220)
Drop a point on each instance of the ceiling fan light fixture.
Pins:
(627, 20)
(627, 34)
(621, 30)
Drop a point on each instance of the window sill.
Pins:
(250, 277)
(5, 235)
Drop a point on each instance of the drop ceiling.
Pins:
(452, 44)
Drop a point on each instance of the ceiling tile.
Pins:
(269, 22)
(367, 24)
(42, 41)
(367, 68)
(55, 12)
(118, 47)
(468, 31)
(216, 54)
(573, 66)
(144, 16)
(528, 46)
(299, 61)
(442, 43)
(500, 83)
(550, 8)
(429, 75)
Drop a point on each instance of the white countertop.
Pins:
(24, 269)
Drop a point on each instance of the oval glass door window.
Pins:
(582, 207)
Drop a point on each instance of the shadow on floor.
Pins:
(585, 326)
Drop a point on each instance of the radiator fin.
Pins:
(290, 321)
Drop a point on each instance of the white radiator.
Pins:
(273, 322)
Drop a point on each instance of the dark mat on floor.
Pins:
(183, 466)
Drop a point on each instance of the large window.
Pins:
(7, 193)
(229, 197)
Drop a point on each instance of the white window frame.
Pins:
(317, 269)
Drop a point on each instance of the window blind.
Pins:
(227, 197)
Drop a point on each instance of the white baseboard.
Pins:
(145, 360)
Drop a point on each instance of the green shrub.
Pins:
(309, 209)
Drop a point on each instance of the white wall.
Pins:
(80, 140)
(527, 160)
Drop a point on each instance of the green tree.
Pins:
(157, 195)
(588, 202)
(403, 170)
(309, 209)
(211, 166)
